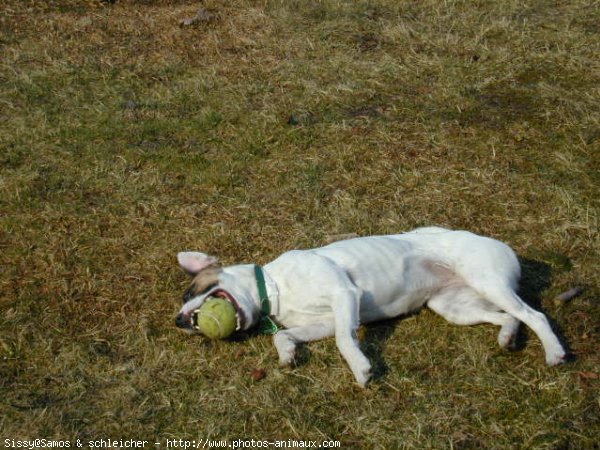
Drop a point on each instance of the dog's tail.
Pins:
(568, 295)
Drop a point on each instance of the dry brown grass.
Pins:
(127, 137)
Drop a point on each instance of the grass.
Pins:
(126, 137)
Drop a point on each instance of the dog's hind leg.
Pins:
(462, 305)
(286, 340)
(504, 298)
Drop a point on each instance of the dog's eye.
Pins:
(189, 294)
(193, 292)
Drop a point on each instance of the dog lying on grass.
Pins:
(328, 291)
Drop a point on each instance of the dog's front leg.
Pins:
(346, 316)
(286, 340)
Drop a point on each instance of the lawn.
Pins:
(128, 134)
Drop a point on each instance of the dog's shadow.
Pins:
(372, 337)
(375, 338)
(536, 277)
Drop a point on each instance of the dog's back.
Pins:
(461, 252)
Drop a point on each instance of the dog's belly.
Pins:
(371, 310)
(401, 292)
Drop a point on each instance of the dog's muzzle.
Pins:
(188, 321)
(182, 322)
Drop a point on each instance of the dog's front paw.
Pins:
(286, 349)
(557, 357)
(364, 377)
(362, 372)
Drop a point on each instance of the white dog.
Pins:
(329, 291)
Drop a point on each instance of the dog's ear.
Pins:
(195, 262)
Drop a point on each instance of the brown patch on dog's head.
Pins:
(203, 280)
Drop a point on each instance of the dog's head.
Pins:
(236, 284)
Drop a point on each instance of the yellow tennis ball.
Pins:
(216, 318)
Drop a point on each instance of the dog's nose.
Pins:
(180, 321)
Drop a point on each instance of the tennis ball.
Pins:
(216, 318)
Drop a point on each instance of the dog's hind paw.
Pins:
(507, 341)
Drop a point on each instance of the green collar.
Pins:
(266, 324)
